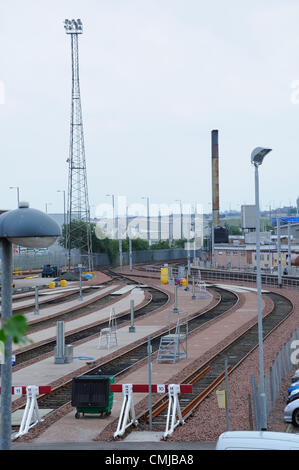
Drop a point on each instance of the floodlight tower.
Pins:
(78, 204)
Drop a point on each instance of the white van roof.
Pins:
(242, 440)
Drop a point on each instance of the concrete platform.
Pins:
(144, 436)
(125, 290)
(29, 375)
(67, 304)
(235, 288)
(16, 417)
(103, 446)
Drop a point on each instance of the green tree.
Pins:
(161, 245)
(16, 327)
(180, 243)
(78, 234)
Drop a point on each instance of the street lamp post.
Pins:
(147, 219)
(46, 206)
(257, 157)
(289, 250)
(113, 214)
(32, 229)
(18, 202)
(181, 211)
(18, 193)
(278, 253)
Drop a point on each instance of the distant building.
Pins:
(294, 231)
(244, 256)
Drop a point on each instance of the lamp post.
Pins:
(181, 211)
(32, 229)
(147, 219)
(18, 202)
(113, 214)
(18, 193)
(46, 206)
(257, 157)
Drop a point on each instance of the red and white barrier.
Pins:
(127, 415)
(31, 414)
(22, 389)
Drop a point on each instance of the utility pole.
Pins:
(78, 203)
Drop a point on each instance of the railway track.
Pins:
(50, 301)
(204, 380)
(158, 299)
(210, 274)
(121, 364)
(207, 378)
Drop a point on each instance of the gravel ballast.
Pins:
(208, 421)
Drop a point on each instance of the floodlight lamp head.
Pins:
(73, 26)
(258, 155)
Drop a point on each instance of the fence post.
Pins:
(272, 387)
(255, 402)
(250, 412)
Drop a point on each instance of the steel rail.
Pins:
(189, 409)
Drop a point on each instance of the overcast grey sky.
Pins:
(156, 77)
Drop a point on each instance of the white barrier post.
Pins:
(127, 414)
(31, 410)
(173, 410)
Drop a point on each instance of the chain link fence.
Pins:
(36, 261)
(283, 365)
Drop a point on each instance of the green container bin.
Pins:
(91, 394)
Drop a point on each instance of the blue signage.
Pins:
(286, 220)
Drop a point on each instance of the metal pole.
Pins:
(263, 420)
(250, 412)
(188, 256)
(80, 270)
(175, 308)
(120, 254)
(148, 223)
(6, 368)
(187, 282)
(289, 249)
(113, 216)
(149, 351)
(159, 226)
(130, 254)
(170, 229)
(278, 252)
(193, 289)
(226, 396)
(181, 210)
(36, 308)
(255, 402)
(64, 223)
(132, 327)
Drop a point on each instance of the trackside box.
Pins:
(91, 394)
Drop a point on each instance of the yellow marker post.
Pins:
(221, 398)
(164, 276)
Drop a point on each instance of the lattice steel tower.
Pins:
(78, 204)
